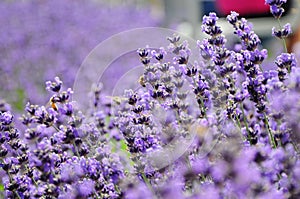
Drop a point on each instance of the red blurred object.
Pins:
(243, 7)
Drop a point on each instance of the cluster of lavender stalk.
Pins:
(243, 121)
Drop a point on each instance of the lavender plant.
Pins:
(54, 157)
(225, 99)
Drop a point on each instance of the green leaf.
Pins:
(1, 187)
(123, 145)
(107, 120)
(19, 103)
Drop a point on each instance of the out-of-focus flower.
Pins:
(44, 39)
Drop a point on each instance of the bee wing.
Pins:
(48, 105)
(117, 99)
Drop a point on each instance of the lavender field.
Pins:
(195, 119)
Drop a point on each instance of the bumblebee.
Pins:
(199, 130)
(142, 81)
(117, 100)
(53, 103)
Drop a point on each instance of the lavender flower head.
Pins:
(285, 32)
(275, 7)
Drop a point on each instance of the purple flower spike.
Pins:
(209, 25)
(276, 7)
(54, 86)
(285, 32)
(233, 17)
(276, 11)
(285, 62)
(276, 2)
(6, 118)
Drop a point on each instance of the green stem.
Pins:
(202, 106)
(18, 195)
(271, 137)
(148, 184)
(56, 128)
(187, 160)
(245, 120)
(238, 122)
(260, 67)
(97, 195)
(295, 147)
(283, 40)
(76, 149)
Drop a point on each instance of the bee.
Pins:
(118, 100)
(199, 130)
(142, 81)
(53, 104)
